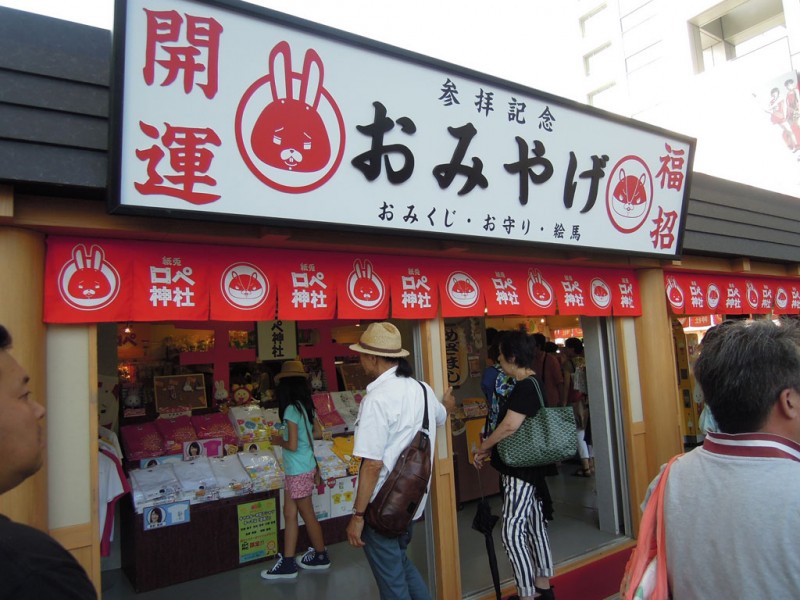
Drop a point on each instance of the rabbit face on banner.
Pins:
(88, 280)
(289, 133)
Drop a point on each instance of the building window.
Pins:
(595, 23)
(747, 29)
(599, 62)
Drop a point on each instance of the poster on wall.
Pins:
(325, 129)
(174, 392)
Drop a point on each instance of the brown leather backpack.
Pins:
(393, 508)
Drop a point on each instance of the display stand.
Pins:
(207, 544)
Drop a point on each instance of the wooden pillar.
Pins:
(22, 274)
(657, 375)
(443, 498)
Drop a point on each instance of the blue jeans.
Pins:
(396, 576)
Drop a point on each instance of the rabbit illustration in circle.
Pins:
(88, 281)
(289, 133)
(364, 286)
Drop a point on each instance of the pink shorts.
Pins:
(299, 486)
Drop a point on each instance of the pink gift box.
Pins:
(141, 441)
(175, 432)
(215, 425)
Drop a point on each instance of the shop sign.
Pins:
(714, 293)
(229, 111)
(94, 280)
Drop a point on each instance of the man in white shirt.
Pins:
(390, 415)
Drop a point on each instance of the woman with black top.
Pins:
(524, 527)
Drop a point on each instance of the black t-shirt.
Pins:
(526, 398)
(33, 566)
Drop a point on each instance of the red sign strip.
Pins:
(93, 280)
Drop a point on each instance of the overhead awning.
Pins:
(690, 293)
(102, 280)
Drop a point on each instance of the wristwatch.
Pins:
(356, 513)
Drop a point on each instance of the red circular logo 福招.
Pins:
(629, 194)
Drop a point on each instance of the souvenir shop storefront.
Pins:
(240, 233)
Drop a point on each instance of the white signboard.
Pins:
(233, 112)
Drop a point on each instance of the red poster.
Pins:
(505, 288)
(363, 292)
(87, 281)
(170, 282)
(306, 286)
(413, 283)
(625, 300)
(461, 292)
(690, 294)
(242, 284)
(733, 296)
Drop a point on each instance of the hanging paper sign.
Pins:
(413, 283)
(242, 285)
(306, 287)
(455, 347)
(87, 281)
(170, 282)
(504, 287)
(461, 293)
(364, 290)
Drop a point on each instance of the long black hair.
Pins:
(294, 391)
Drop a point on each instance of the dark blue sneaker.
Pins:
(315, 560)
(285, 568)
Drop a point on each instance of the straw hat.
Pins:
(380, 339)
(291, 368)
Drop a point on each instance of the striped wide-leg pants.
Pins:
(525, 534)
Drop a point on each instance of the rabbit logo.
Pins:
(629, 194)
(244, 286)
(289, 130)
(364, 287)
(539, 291)
(462, 289)
(88, 281)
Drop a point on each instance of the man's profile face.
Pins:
(21, 434)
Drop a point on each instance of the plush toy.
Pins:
(242, 394)
(317, 383)
(220, 393)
